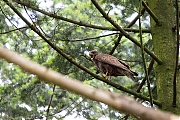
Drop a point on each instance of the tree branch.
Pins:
(47, 111)
(135, 19)
(143, 57)
(90, 38)
(151, 13)
(120, 102)
(177, 55)
(144, 80)
(14, 30)
(116, 44)
(128, 26)
(124, 32)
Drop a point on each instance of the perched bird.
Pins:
(110, 65)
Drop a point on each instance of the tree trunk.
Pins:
(164, 42)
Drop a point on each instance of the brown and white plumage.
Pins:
(110, 65)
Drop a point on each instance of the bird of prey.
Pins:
(110, 65)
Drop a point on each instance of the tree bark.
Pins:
(164, 42)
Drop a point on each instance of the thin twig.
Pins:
(90, 38)
(14, 30)
(177, 55)
(47, 115)
(135, 19)
(116, 44)
(144, 80)
(142, 83)
(143, 56)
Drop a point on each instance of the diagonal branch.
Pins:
(135, 19)
(124, 32)
(116, 44)
(128, 26)
(70, 59)
(144, 80)
(151, 13)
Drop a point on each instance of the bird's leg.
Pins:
(105, 75)
(109, 78)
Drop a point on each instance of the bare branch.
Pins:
(120, 102)
(90, 38)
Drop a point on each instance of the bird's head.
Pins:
(93, 53)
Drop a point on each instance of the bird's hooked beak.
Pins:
(93, 53)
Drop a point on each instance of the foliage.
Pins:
(24, 96)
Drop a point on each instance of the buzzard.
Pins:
(110, 65)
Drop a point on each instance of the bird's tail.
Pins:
(129, 74)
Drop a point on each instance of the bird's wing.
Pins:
(111, 60)
(124, 64)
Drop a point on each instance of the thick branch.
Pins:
(120, 102)
(36, 30)
(124, 32)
